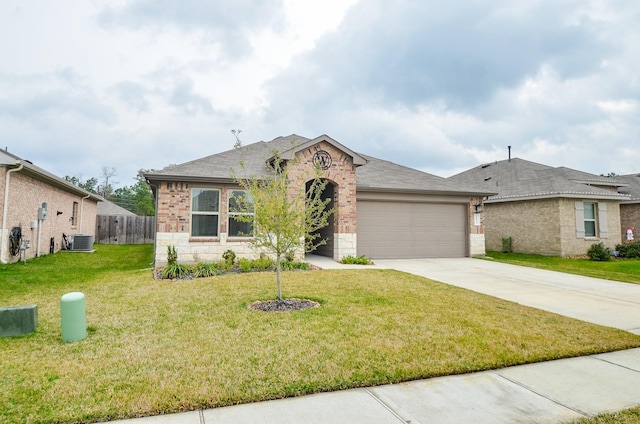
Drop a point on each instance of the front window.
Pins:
(240, 205)
(590, 216)
(205, 212)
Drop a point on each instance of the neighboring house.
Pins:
(26, 188)
(111, 209)
(382, 210)
(630, 208)
(547, 210)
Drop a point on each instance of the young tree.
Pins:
(285, 215)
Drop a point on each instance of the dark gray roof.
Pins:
(374, 175)
(632, 188)
(110, 208)
(516, 179)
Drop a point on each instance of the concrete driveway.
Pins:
(603, 302)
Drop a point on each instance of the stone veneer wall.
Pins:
(476, 232)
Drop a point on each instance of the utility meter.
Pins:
(42, 212)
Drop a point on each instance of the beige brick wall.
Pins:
(26, 195)
(572, 246)
(544, 226)
(533, 226)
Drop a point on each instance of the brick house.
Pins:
(383, 210)
(547, 210)
(25, 188)
(630, 208)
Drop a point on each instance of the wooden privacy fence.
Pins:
(119, 229)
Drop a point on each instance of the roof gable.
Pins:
(355, 157)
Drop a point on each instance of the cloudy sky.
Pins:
(437, 85)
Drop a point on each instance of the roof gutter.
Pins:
(5, 211)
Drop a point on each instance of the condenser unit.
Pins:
(82, 243)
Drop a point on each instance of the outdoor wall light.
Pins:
(479, 208)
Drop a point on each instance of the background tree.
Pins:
(136, 198)
(89, 185)
(105, 189)
(285, 214)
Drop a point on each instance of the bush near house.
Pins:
(360, 260)
(629, 250)
(175, 271)
(599, 252)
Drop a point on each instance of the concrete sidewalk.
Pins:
(548, 392)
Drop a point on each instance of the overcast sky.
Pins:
(438, 85)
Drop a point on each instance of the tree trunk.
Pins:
(278, 277)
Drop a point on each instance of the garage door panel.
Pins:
(411, 230)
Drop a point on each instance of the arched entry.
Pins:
(326, 233)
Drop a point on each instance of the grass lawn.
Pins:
(161, 346)
(628, 416)
(626, 270)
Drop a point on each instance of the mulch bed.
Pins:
(283, 305)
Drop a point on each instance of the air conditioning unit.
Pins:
(82, 243)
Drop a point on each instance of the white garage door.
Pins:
(411, 230)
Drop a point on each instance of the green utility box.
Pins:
(73, 314)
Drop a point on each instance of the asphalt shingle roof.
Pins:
(633, 188)
(515, 179)
(376, 174)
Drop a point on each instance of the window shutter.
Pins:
(579, 219)
(602, 220)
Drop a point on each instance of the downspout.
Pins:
(155, 235)
(5, 211)
(82, 211)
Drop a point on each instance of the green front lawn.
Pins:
(161, 346)
(626, 270)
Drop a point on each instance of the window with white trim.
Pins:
(240, 204)
(590, 219)
(205, 212)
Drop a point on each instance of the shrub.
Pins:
(175, 270)
(629, 250)
(360, 260)
(205, 270)
(598, 252)
(246, 265)
(506, 245)
(229, 256)
(263, 263)
(172, 255)
(293, 265)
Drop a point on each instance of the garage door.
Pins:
(411, 230)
